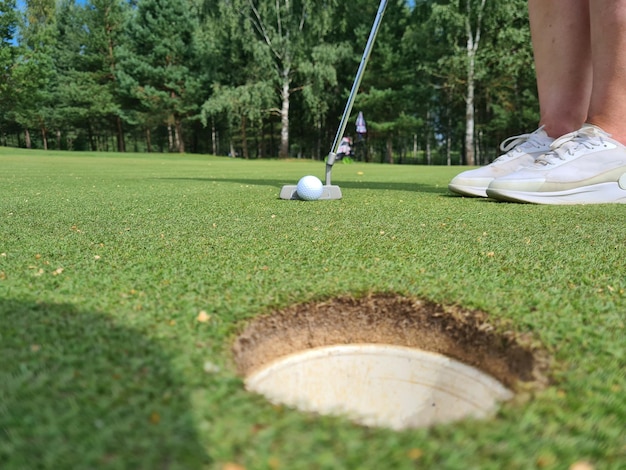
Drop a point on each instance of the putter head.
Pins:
(329, 192)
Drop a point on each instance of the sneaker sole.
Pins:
(471, 191)
(604, 193)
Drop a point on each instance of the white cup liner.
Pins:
(380, 385)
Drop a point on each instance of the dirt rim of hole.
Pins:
(516, 360)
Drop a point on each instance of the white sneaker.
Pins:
(583, 167)
(521, 150)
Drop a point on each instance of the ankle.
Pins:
(558, 129)
(617, 132)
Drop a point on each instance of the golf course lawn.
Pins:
(125, 280)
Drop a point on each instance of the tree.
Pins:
(240, 94)
(384, 94)
(8, 50)
(243, 104)
(507, 85)
(426, 86)
(320, 77)
(285, 33)
(473, 30)
(33, 70)
(105, 22)
(8, 28)
(85, 92)
(445, 76)
(157, 64)
(458, 25)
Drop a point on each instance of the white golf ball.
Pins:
(309, 188)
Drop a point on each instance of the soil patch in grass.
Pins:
(468, 336)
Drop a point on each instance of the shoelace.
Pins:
(517, 140)
(568, 144)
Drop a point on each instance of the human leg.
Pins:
(562, 53)
(588, 165)
(561, 42)
(607, 108)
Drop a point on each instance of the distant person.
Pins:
(578, 153)
(345, 148)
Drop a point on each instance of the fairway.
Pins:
(125, 280)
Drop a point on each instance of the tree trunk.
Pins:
(148, 141)
(121, 145)
(473, 40)
(470, 157)
(449, 142)
(284, 116)
(261, 144)
(318, 143)
(44, 138)
(389, 146)
(93, 144)
(178, 135)
(244, 139)
(213, 136)
(29, 144)
(170, 138)
(428, 148)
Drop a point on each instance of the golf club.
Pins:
(331, 191)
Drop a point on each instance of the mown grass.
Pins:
(107, 260)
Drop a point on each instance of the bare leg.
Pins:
(562, 49)
(608, 41)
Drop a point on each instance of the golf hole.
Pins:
(387, 361)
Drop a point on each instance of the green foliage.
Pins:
(251, 101)
(8, 27)
(285, 42)
(157, 63)
(263, 74)
(32, 72)
(319, 75)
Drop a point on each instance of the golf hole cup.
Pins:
(309, 188)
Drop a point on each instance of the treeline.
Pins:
(446, 82)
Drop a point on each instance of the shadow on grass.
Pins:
(78, 391)
(372, 185)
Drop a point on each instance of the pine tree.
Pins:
(157, 65)
(8, 51)
(33, 71)
(105, 23)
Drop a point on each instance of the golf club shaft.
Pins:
(355, 87)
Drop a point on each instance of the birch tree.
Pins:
(285, 34)
(473, 24)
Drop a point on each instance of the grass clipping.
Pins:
(517, 361)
